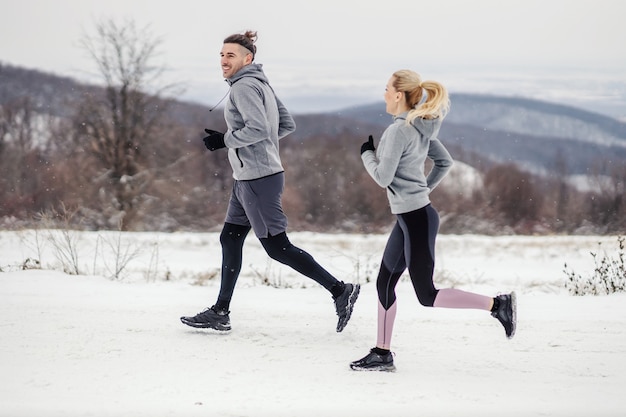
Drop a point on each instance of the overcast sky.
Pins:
(327, 47)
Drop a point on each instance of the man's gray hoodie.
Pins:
(256, 121)
(398, 163)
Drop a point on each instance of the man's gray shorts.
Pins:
(257, 203)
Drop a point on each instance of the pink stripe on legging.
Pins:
(453, 298)
(385, 325)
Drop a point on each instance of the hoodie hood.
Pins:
(428, 128)
(250, 70)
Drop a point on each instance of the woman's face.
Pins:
(392, 98)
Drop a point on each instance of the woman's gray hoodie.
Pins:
(398, 163)
(256, 121)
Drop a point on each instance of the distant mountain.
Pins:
(531, 133)
(49, 93)
(56, 95)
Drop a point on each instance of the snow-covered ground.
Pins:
(92, 345)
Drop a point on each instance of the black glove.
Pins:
(214, 141)
(368, 146)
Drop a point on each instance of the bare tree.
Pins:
(117, 128)
(511, 192)
(24, 165)
(562, 193)
(17, 127)
(607, 205)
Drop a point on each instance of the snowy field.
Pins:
(95, 345)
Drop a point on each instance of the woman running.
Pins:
(418, 108)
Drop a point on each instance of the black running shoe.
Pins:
(345, 303)
(211, 318)
(506, 313)
(374, 362)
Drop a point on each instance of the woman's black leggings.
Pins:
(411, 244)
